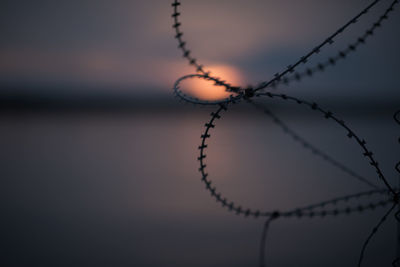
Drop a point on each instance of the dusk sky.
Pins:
(99, 161)
(129, 45)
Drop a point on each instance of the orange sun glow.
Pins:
(207, 90)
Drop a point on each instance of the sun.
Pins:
(207, 90)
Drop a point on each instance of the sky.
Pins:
(128, 46)
(123, 189)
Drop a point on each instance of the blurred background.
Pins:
(98, 159)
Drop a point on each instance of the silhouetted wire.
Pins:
(374, 230)
(297, 76)
(308, 146)
(350, 133)
(317, 49)
(344, 199)
(233, 98)
(182, 45)
(238, 93)
(396, 118)
(232, 206)
(264, 239)
(297, 212)
(396, 261)
(279, 77)
(323, 213)
(327, 114)
(342, 54)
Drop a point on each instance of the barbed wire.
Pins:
(233, 98)
(332, 60)
(279, 77)
(299, 212)
(396, 261)
(264, 239)
(327, 114)
(313, 149)
(374, 230)
(232, 206)
(387, 195)
(330, 116)
(396, 118)
(182, 45)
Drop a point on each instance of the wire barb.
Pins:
(388, 195)
(280, 78)
(308, 146)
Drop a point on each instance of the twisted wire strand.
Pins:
(186, 53)
(394, 200)
(327, 114)
(308, 210)
(233, 97)
(313, 149)
(263, 241)
(239, 93)
(232, 206)
(396, 118)
(374, 230)
(396, 261)
(342, 54)
(279, 77)
(300, 213)
(276, 215)
(350, 133)
(317, 49)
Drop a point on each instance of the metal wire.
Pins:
(232, 206)
(264, 240)
(332, 60)
(307, 211)
(233, 98)
(280, 77)
(388, 195)
(313, 149)
(396, 261)
(327, 114)
(374, 230)
(350, 133)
